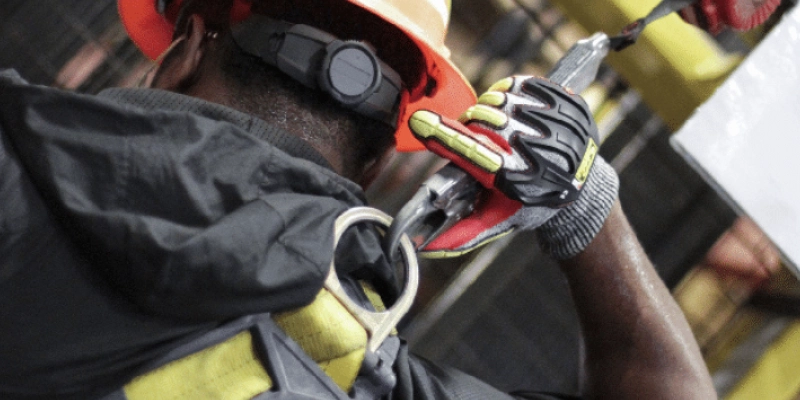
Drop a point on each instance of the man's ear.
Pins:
(181, 66)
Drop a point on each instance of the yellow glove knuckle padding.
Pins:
(496, 99)
(428, 125)
(495, 118)
(502, 85)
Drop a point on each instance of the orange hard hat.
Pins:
(440, 86)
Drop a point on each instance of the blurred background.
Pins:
(504, 313)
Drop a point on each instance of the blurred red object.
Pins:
(744, 253)
(742, 15)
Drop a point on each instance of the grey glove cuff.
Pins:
(573, 228)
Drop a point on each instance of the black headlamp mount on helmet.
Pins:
(347, 70)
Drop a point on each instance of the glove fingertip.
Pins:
(502, 85)
(495, 99)
(485, 114)
(424, 124)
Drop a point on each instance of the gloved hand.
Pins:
(534, 146)
(743, 15)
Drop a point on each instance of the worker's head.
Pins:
(227, 48)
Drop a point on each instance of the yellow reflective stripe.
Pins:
(502, 85)
(486, 114)
(229, 370)
(428, 125)
(496, 99)
(586, 164)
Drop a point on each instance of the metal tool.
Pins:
(377, 323)
(450, 194)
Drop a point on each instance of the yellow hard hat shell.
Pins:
(424, 22)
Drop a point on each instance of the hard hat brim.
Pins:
(452, 94)
(451, 97)
(150, 31)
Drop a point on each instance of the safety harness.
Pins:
(326, 350)
(316, 351)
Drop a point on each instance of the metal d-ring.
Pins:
(379, 324)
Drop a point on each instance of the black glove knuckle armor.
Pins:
(566, 126)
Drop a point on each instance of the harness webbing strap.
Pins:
(229, 370)
(232, 370)
(329, 334)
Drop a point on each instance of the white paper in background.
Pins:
(745, 140)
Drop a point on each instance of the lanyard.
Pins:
(631, 32)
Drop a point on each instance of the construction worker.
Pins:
(172, 241)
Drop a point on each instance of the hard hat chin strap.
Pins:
(347, 70)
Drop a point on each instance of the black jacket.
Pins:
(137, 220)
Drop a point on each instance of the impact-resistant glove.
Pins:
(742, 15)
(534, 146)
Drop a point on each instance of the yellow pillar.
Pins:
(774, 376)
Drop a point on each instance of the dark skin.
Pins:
(638, 343)
(194, 70)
